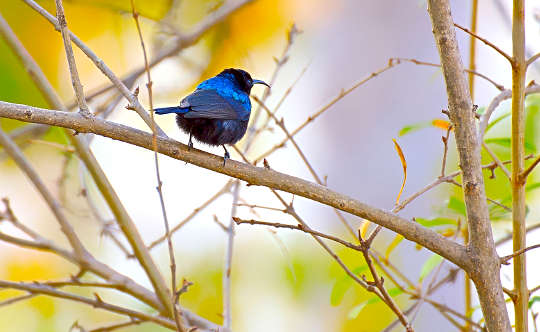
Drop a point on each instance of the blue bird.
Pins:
(217, 112)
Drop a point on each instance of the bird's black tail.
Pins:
(167, 110)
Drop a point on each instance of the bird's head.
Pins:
(242, 79)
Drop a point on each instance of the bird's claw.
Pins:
(225, 157)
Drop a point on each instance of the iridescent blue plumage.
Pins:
(218, 111)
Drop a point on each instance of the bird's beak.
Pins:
(260, 82)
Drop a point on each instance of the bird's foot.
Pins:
(225, 157)
(190, 145)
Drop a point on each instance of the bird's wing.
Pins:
(208, 104)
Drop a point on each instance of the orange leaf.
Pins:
(404, 164)
(443, 124)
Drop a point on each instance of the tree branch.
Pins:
(36, 288)
(481, 247)
(254, 175)
(75, 80)
(485, 41)
(134, 102)
(505, 259)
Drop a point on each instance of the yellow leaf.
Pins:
(397, 240)
(364, 228)
(443, 124)
(404, 164)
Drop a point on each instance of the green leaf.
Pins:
(532, 186)
(533, 300)
(435, 222)
(341, 286)
(506, 142)
(414, 127)
(457, 205)
(429, 265)
(531, 125)
(497, 120)
(338, 291)
(56, 135)
(356, 310)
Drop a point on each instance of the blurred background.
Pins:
(282, 280)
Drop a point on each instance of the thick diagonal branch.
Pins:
(433, 241)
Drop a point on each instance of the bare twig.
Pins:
(37, 288)
(284, 58)
(509, 236)
(117, 326)
(15, 153)
(471, 71)
(314, 174)
(497, 160)
(504, 95)
(227, 280)
(379, 283)
(445, 151)
(179, 325)
(75, 80)
(529, 169)
(182, 41)
(106, 189)
(323, 109)
(101, 65)
(299, 227)
(505, 259)
(533, 59)
(190, 217)
(485, 41)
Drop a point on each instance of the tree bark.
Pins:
(485, 267)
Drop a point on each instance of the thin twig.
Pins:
(226, 188)
(497, 160)
(314, 174)
(284, 58)
(379, 283)
(470, 71)
(227, 280)
(487, 42)
(445, 151)
(299, 227)
(179, 325)
(75, 80)
(37, 288)
(508, 237)
(533, 59)
(505, 259)
(180, 42)
(529, 169)
(16, 154)
(504, 95)
(134, 103)
(117, 326)
(323, 109)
